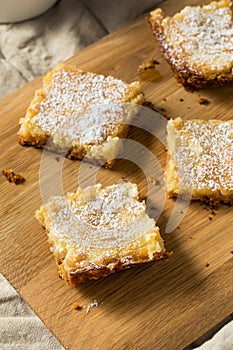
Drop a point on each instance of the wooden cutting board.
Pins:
(164, 305)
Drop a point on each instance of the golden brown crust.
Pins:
(73, 152)
(92, 244)
(58, 121)
(213, 201)
(222, 187)
(183, 75)
(190, 78)
(94, 272)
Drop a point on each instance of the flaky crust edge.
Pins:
(94, 272)
(213, 201)
(181, 71)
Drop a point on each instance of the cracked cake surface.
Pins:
(197, 42)
(98, 231)
(81, 114)
(200, 159)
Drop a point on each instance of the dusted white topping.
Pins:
(201, 37)
(80, 106)
(98, 231)
(203, 154)
(100, 218)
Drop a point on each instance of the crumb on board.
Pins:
(13, 177)
(94, 303)
(149, 104)
(57, 159)
(162, 110)
(231, 251)
(190, 89)
(77, 306)
(210, 204)
(166, 116)
(206, 208)
(124, 180)
(148, 64)
(181, 100)
(207, 264)
(154, 181)
(214, 204)
(210, 217)
(203, 101)
(142, 198)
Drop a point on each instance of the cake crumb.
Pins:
(13, 177)
(210, 217)
(203, 101)
(214, 203)
(166, 116)
(162, 110)
(154, 181)
(57, 159)
(181, 100)
(142, 198)
(206, 208)
(149, 104)
(95, 303)
(207, 264)
(148, 64)
(77, 306)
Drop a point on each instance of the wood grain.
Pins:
(165, 305)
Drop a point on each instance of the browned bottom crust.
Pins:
(213, 201)
(72, 153)
(94, 272)
(189, 79)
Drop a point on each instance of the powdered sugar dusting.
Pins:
(83, 107)
(96, 216)
(201, 36)
(204, 155)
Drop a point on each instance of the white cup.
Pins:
(20, 10)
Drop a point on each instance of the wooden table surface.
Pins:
(164, 305)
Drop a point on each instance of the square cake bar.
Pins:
(80, 114)
(197, 42)
(200, 159)
(99, 231)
